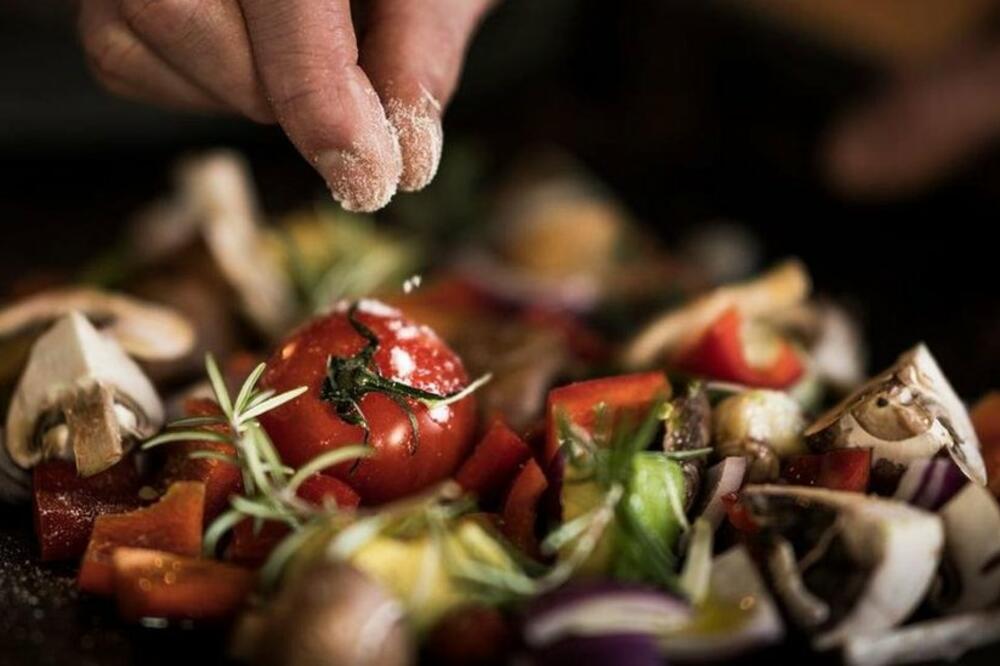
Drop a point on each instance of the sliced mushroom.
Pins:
(784, 286)
(870, 560)
(218, 189)
(331, 614)
(761, 425)
(80, 397)
(687, 427)
(15, 482)
(908, 412)
(932, 641)
(146, 331)
(972, 551)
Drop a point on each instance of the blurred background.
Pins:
(694, 115)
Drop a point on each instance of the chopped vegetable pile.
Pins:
(336, 461)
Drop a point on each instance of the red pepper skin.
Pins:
(252, 549)
(471, 634)
(221, 479)
(840, 469)
(493, 462)
(625, 394)
(720, 354)
(739, 516)
(173, 524)
(66, 504)
(153, 583)
(986, 420)
(520, 509)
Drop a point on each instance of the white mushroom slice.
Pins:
(80, 397)
(908, 412)
(146, 331)
(896, 545)
(972, 548)
(15, 483)
(763, 426)
(932, 641)
(783, 286)
(218, 190)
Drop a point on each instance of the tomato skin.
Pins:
(412, 354)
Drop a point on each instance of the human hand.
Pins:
(924, 125)
(364, 110)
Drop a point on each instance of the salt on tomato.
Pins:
(404, 461)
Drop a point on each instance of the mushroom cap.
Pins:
(70, 358)
(146, 331)
(972, 527)
(898, 544)
(909, 411)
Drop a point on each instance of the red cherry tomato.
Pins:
(408, 353)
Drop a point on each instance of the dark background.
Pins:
(688, 111)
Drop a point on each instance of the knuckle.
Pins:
(168, 19)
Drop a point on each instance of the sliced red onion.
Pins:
(930, 483)
(721, 479)
(619, 649)
(602, 609)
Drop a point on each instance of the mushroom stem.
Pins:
(93, 429)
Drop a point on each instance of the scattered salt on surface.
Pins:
(370, 306)
(402, 363)
(440, 414)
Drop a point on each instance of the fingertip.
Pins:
(364, 177)
(418, 130)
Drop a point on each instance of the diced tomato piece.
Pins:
(721, 354)
(624, 394)
(845, 469)
(739, 516)
(986, 420)
(520, 509)
(470, 634)
(173, 524)
(251, 547)
(153, 583)
(66, 504)
(221, 479)
(494, 462)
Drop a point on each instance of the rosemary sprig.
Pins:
(269, 486)
(350, 378)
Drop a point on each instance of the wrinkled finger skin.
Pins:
(365, 113)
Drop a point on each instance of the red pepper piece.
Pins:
(153, 583)
(520, 509)
(173, 524)
(986, 420)
(221, 479)
(739, 515)
(721, 354)
(66, 504)
(625, 394)
(494, 462)
(250, 548)
(845, 469)
(840, 469)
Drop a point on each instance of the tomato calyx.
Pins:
(349, 378)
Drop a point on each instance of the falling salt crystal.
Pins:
(411, 283)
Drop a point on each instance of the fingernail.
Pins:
(421, 137)
(360, 180)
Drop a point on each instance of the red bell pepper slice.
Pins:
(66, 504)
(520, 509)
(739, 515)
(251, 547)
(221, 479)
(625, 394)
(840, 469)
(173, 524)
(494, 462)
(986, 420)
(721, 354)
(153, 583)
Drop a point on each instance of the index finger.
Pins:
(307, 56)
